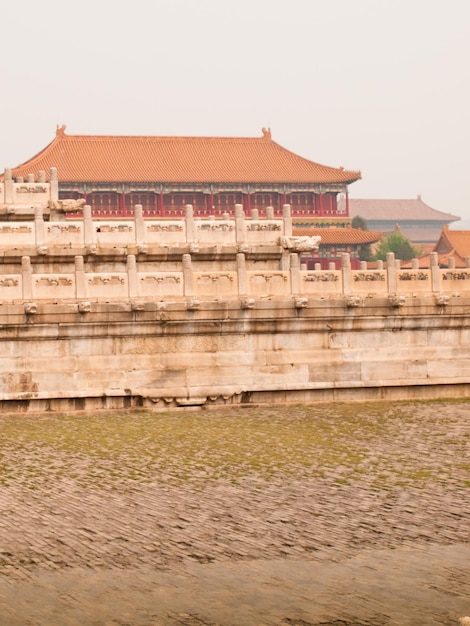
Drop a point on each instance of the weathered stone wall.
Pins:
(58, 357)
(157, 314)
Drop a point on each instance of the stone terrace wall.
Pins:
(184, 313)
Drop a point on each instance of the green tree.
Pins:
(359, 223)
(365, 251)
(400, 245)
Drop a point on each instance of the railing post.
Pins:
(435, 273)
(88, 231)
(346, 272)
(8, 186)
(391, 273)
(191, 235)
(139, 224)
(239, 224)
(287, 220)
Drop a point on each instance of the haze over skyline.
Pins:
(372, 85)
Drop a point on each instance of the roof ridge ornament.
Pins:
(60, 130)
(266, 133)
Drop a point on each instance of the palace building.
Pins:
(163, 174)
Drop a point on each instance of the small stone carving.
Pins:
(413, 276)
(9, 282)
(300, 244)
(30, 308)
(84, 307)
(367, 276)
(68, 205)
(442, 300)
(31, 189)
(396, 300)
(42, 250)
(354, 301)
(137, 305)
(300, 303)
(456, 276)
(247, 303)
(193, 305)
(321, 277)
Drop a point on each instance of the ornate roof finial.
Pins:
(60, 130)
(266, 133)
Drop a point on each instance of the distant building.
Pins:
(163, 174)
(334, 243)
(418, 221)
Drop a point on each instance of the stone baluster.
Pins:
(88, 230)
(269, 213)
(391, 273)
(435, 272)
(451, 263)
(346, 272)
(139, 224)
(54, 185)
(242, 277)
(239, 224)
(363, 265)
(414, 264)
(467, 261)
(380, 264)
(132, 277)
(191, 233)
(8, 186)
(295, 274)
(287, 220)
(255, 214)
(80, 278)
(317, 267)
(188, 276)
(39, 226)
(27, 277)
(41, 176)
(30, 178)
(331, 266)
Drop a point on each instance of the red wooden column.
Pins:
(320, 203)
(122, 210)
(248, 204)
(160, 204)
(347, 203)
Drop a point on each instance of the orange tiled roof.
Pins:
(454, 243)
(395, 209)
(94, 158)
(337, 236)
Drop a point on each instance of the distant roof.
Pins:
(393, 209)
(454, 243)
(330, 236)
(96, 158)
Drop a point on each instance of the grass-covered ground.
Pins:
(385, 444)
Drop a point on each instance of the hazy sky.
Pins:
(377, 85)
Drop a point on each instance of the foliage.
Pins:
(400, 245)
(365, 252)
(359, 223)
